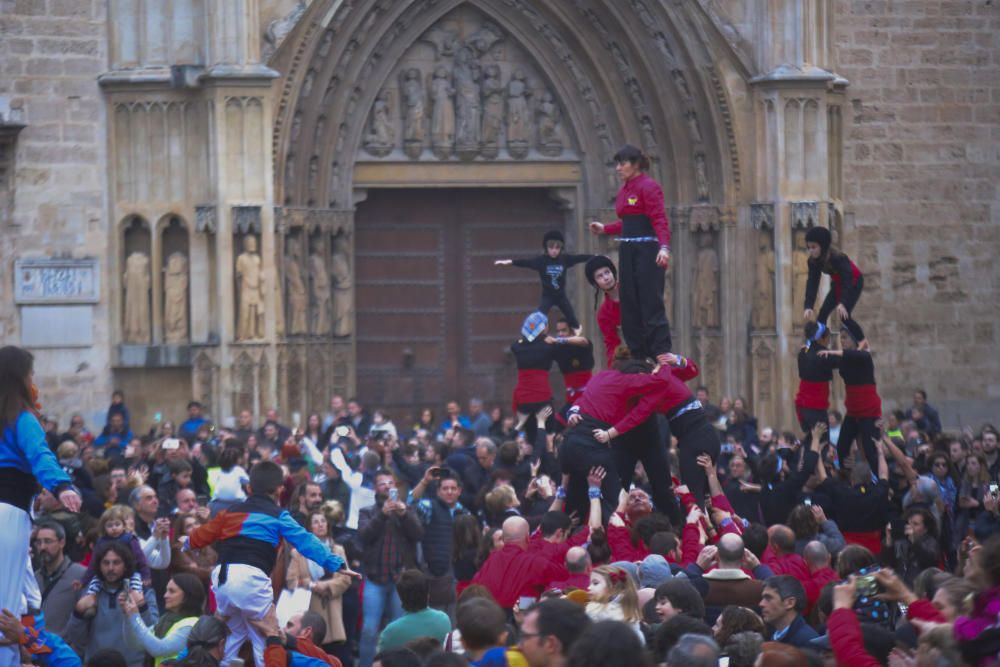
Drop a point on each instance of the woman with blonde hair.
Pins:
(327, 591)
(613, 597)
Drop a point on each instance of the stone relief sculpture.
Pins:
(137, 283)
(443, 39)
(518, 118)
(493, 90)
(701, 177)
(250, 321)
(800, 275)
(763, 295)
(382, 135)
(549, 118)
(298, 296)
(343, 287)
(442, 113)
(484, 38)
(468, 105)
(706, 285)
(413, 116)
(321, 294)
(175, 299)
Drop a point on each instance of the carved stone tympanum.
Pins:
(137, 283)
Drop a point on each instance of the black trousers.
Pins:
(644, 443)
(830, 303)
(695, 436)
(560, 301)
(809, 417)
(864, 430)
(644, 320)
(579, 453)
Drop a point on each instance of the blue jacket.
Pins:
(799, 634)
(26, 461)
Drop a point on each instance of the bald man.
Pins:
(780, 554)
(579, 565)
(818, 559)
(514, 572)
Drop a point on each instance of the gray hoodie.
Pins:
(107, 628)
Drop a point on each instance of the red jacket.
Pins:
(642, 196)
(276, 655)
(512, 572)
(608, 398)
(620, 542)
(847, 641)
(581, 581)
(609, 318)
(555, 552)
(790, 564)
(820, 578)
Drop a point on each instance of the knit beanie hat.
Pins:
(553, 235)
(820, 236)
(598, 262)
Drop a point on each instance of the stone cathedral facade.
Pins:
(258, 203)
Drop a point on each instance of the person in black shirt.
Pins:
(861, 399)
(551, 269)
(534, 359)
(846, 280)
(575, 357)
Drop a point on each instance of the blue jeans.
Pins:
(378, 599)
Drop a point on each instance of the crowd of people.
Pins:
(633, 523)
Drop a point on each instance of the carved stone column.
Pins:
(798, 145)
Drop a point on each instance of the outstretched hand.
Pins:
(596, 227)
(596, 477)
(70, 499)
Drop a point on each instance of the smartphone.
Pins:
(171, 443)
(525, 602)
(202, 500)
(296, 420)
(726, 448)
(158, 417)
(394, 494)
(994, 489)
(866, 584)
(435, 472)
(808, 501)
(342, 431)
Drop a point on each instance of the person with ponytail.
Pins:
(643, 256)
(846, 281)
(25, 462)
(861, 399)
(815, 375)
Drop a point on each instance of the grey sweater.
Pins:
(107, 628)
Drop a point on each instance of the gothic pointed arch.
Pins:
(656, 74)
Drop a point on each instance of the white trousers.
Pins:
(246, 595)
(15, 527)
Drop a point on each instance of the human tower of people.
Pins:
(462, 552)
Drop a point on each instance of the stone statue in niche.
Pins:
(293, 133)
(800, 276)
(493, 90)
(307, 83)
(701, 177)
(273, 282)
(382, 135)
(682, 85)
(321, 294)
(137, 283)
(442, 113)
(693, 128)
(413, 116)
(518, 118)
(706, 284)
(175, 299)
(343, 286)
(250, 321)
(468, 105)
(762, 375)
(549, 118)
(763, 294)
(298, 296)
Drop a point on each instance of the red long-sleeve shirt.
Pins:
(620, 543)
(641, 196)
(609, 395)
(609, 319)
(847, 641)
(512, 572)
(555, 552)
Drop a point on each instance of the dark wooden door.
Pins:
(434, 315)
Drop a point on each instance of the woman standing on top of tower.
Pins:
(846, 281)
(643, 256)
